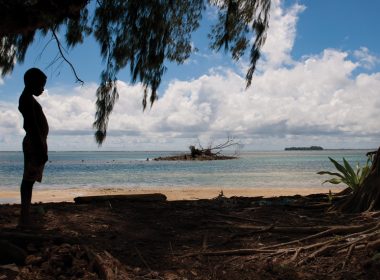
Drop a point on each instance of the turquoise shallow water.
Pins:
(280, 169)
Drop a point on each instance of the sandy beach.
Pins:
(60, 195)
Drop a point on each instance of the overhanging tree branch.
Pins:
(59, 46)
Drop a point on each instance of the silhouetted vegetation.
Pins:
(345, 174)
(367, 196)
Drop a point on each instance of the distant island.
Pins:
(311, 148)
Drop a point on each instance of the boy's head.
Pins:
(35, 80)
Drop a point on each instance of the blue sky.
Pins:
(317, 84)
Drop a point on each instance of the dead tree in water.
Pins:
(212, 151)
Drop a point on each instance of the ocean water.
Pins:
(279, 169)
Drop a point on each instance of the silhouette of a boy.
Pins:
(34, 144)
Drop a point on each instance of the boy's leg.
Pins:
(26, 199)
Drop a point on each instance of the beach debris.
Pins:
(108, 267)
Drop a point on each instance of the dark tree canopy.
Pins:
(139, 34)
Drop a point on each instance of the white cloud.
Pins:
(9, 117)
(69, 113)
(281, 34)
(366, 59)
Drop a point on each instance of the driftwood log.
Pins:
(153, 197)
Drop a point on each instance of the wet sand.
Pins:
(183, 193)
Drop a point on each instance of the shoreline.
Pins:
(176, 193)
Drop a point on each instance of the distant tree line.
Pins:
(311, 148)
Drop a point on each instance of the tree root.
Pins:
(355, 230)
(317, 253)
(350, 238)
(272, 228)
(348, 256)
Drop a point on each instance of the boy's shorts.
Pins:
(33, 172)
(33, 166)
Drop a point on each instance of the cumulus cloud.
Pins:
(281, 34)
(71, 113)
(318, 96)
(366, 59)
(10, 121)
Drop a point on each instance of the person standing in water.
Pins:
(34, 144)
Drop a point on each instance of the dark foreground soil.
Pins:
(236, 238)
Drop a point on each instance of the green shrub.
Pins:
(347, 175)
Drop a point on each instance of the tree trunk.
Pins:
(367, 197)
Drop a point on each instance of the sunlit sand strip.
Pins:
(184, 193)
